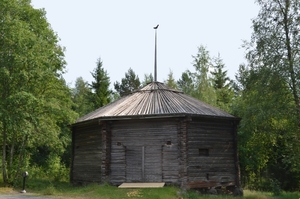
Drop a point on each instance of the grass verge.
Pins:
(64, 190)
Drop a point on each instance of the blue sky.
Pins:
(121, 33)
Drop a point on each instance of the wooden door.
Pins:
(133, 164)
(143, 164)
(153, 163)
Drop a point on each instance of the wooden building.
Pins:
(156, 134)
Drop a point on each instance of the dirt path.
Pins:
(23, 196)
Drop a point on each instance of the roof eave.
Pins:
(157, 116)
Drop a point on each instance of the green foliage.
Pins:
(267, 98)
(203, 85)
(213, 87)
(219, 76)
(186, 83)
(148, 78)
(222, 84)
(275, 187)
(275, 43)
(82, 97)
(35, 103)
(100, 86)
(170, 82)
(54, 170)
(266, 137)
(57, 170)
(130, 83)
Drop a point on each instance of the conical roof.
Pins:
(155, 99)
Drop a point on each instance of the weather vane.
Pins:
(155, 54)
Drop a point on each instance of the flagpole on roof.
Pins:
(155, 54)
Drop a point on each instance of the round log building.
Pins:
(156, 134)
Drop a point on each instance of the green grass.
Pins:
(266, 195)
(64, 190)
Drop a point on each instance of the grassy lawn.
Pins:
(66, 191)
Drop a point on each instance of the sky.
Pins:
(121, 34)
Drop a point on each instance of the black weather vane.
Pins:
(155, 54)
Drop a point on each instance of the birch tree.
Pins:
(269, 98)
(35, 101)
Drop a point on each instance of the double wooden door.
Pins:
(144, 163)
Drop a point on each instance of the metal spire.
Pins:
(155, 54)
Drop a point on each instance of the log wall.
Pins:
(144, 151)
(190, 152)
(211, 154)
(86, 157)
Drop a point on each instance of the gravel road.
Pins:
(23, 196)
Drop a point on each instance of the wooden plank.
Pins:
(142, 185)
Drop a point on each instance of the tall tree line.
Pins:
(268, 99)
(35, 101)
(36, 105)
(264, 94)
(88, 97)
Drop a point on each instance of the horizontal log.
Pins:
(170, 164)
(208, 163)
(205, 184)
(84, 170)
(209, 137)
(212, 173)
(86, 164)
(193, 171)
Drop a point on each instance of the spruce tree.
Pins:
(101, 94)
(130, 83)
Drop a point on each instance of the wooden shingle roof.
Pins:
(155, 99)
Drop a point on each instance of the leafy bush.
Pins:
(56, 170)
(275, 187)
